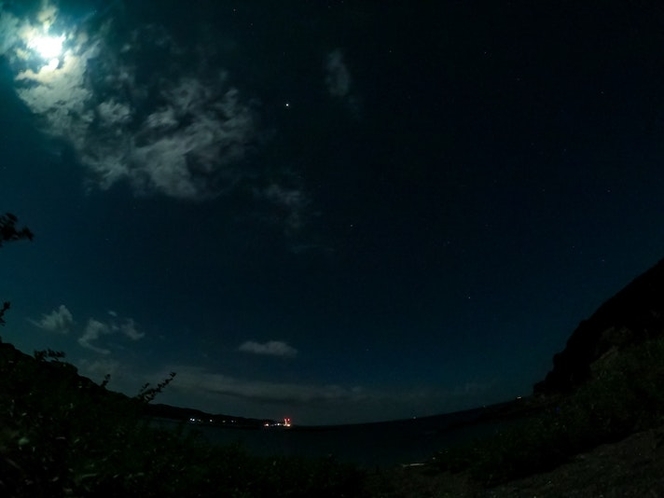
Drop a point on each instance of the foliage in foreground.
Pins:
(623, 397)
(63, 435)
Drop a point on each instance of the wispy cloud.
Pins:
(183, 129)
(288, 205)
(188, 147)
(339, 81)
(94, 330)
(180, 130)
(204, 382)
(60, 320)
(128, 329)
(270, 348)
(337, 78)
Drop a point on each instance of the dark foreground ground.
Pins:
(633, 467)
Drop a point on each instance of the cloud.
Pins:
(339, 82)
(288, 205)
(96, 329)
(337, 78)
(60, 320)
(9, 26)
(192, 379)
(178, 129)
(93, 331)
(97, 369)
(129, 330)
(271, 348)
(140, 108)
(187, 147)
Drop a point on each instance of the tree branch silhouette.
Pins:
(9, 233)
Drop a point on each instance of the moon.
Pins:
(49, 47)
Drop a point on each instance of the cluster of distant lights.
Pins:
(49, 48)
(286, 423)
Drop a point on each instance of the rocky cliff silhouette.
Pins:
(633, 315)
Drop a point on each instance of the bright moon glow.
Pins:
(53, 64)
(49, 47)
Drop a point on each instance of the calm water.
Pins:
(369, 445)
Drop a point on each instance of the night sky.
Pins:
(334, 211)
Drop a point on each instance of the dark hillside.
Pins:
(633, 315)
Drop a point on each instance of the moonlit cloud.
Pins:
(339, 82)
(180, 129)
(270, 348)
(288, 205)
(187, 147)
(338, 78)
(61, 98)
(9, 27)
(59, 320)
(93, 331)
(195, 379)
(128, 329)
(182, 136)
(49, 47)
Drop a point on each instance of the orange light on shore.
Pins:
(287, 422)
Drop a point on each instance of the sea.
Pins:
(373, 445)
